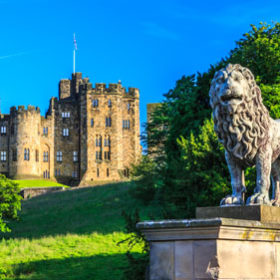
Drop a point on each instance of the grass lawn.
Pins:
(38, 183)
(70, 235)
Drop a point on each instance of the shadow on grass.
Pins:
(80, 211)
(101, 267)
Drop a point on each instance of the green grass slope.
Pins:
(33, 183)
(70, 235)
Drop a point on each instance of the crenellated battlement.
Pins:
(115, 88)
(21, 109)
(79, 85)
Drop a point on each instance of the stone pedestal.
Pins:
(214, 248)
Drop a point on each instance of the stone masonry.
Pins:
(88, 134)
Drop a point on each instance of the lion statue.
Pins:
(249, 135)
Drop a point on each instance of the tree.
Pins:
(184, 114)
(9, 202)
(190, 165)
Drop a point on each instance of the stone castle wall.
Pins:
(82, 138)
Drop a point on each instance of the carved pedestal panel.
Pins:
(215, 248)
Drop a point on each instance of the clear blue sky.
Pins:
(146, 44)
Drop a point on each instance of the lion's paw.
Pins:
(258, 198)
(231, 200)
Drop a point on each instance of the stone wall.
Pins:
(32, 192)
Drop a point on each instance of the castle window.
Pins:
(14, 154)
(46, 174)
(65, 114)
(46, 156)
(59, 156)
(108, 121)
(3, 130)
(109, 103)
(98, 141)
(108, 172)
(65, 132)
(75, 174)
(57, 172)
(37, 155)
(98, 155)
(95, 103)
(92, 122)
(107, 155)
(126, 124)
(97, 172)
(45, 130)
(128, 106)
(75, 156)
(107, 141)
(3, 155)
(126, 172)
(26, 154)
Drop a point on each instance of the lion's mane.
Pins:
(242, 130)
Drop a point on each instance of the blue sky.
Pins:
(145, 44)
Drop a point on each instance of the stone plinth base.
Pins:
(262, 213)
(217, 248)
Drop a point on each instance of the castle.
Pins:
(88, 135)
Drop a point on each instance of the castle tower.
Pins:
(25, 143)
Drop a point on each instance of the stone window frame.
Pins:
(65, 115)
(109, 103)
(65, 132)
(108, 122)
(107, 141)
(107, 155)
(14, 154)
(46, 156)
(128, 106)
(91, 122)
(74, 174)
(75, 156)
(3, 130)
(95, 103)
(46, 174)
(59, 156)
(126, 172)
(3, 156)
(37, 157)
(45, 130)
(98, 141)
(26, 154)
(57, 172)
(126, 124)
(98, 155)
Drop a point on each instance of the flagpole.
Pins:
(74, 61)
(74, 53)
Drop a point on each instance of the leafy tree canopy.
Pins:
(182, 124)
(9, 202)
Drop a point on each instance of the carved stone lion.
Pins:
(249, 135)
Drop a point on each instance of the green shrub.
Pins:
(9, 202)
